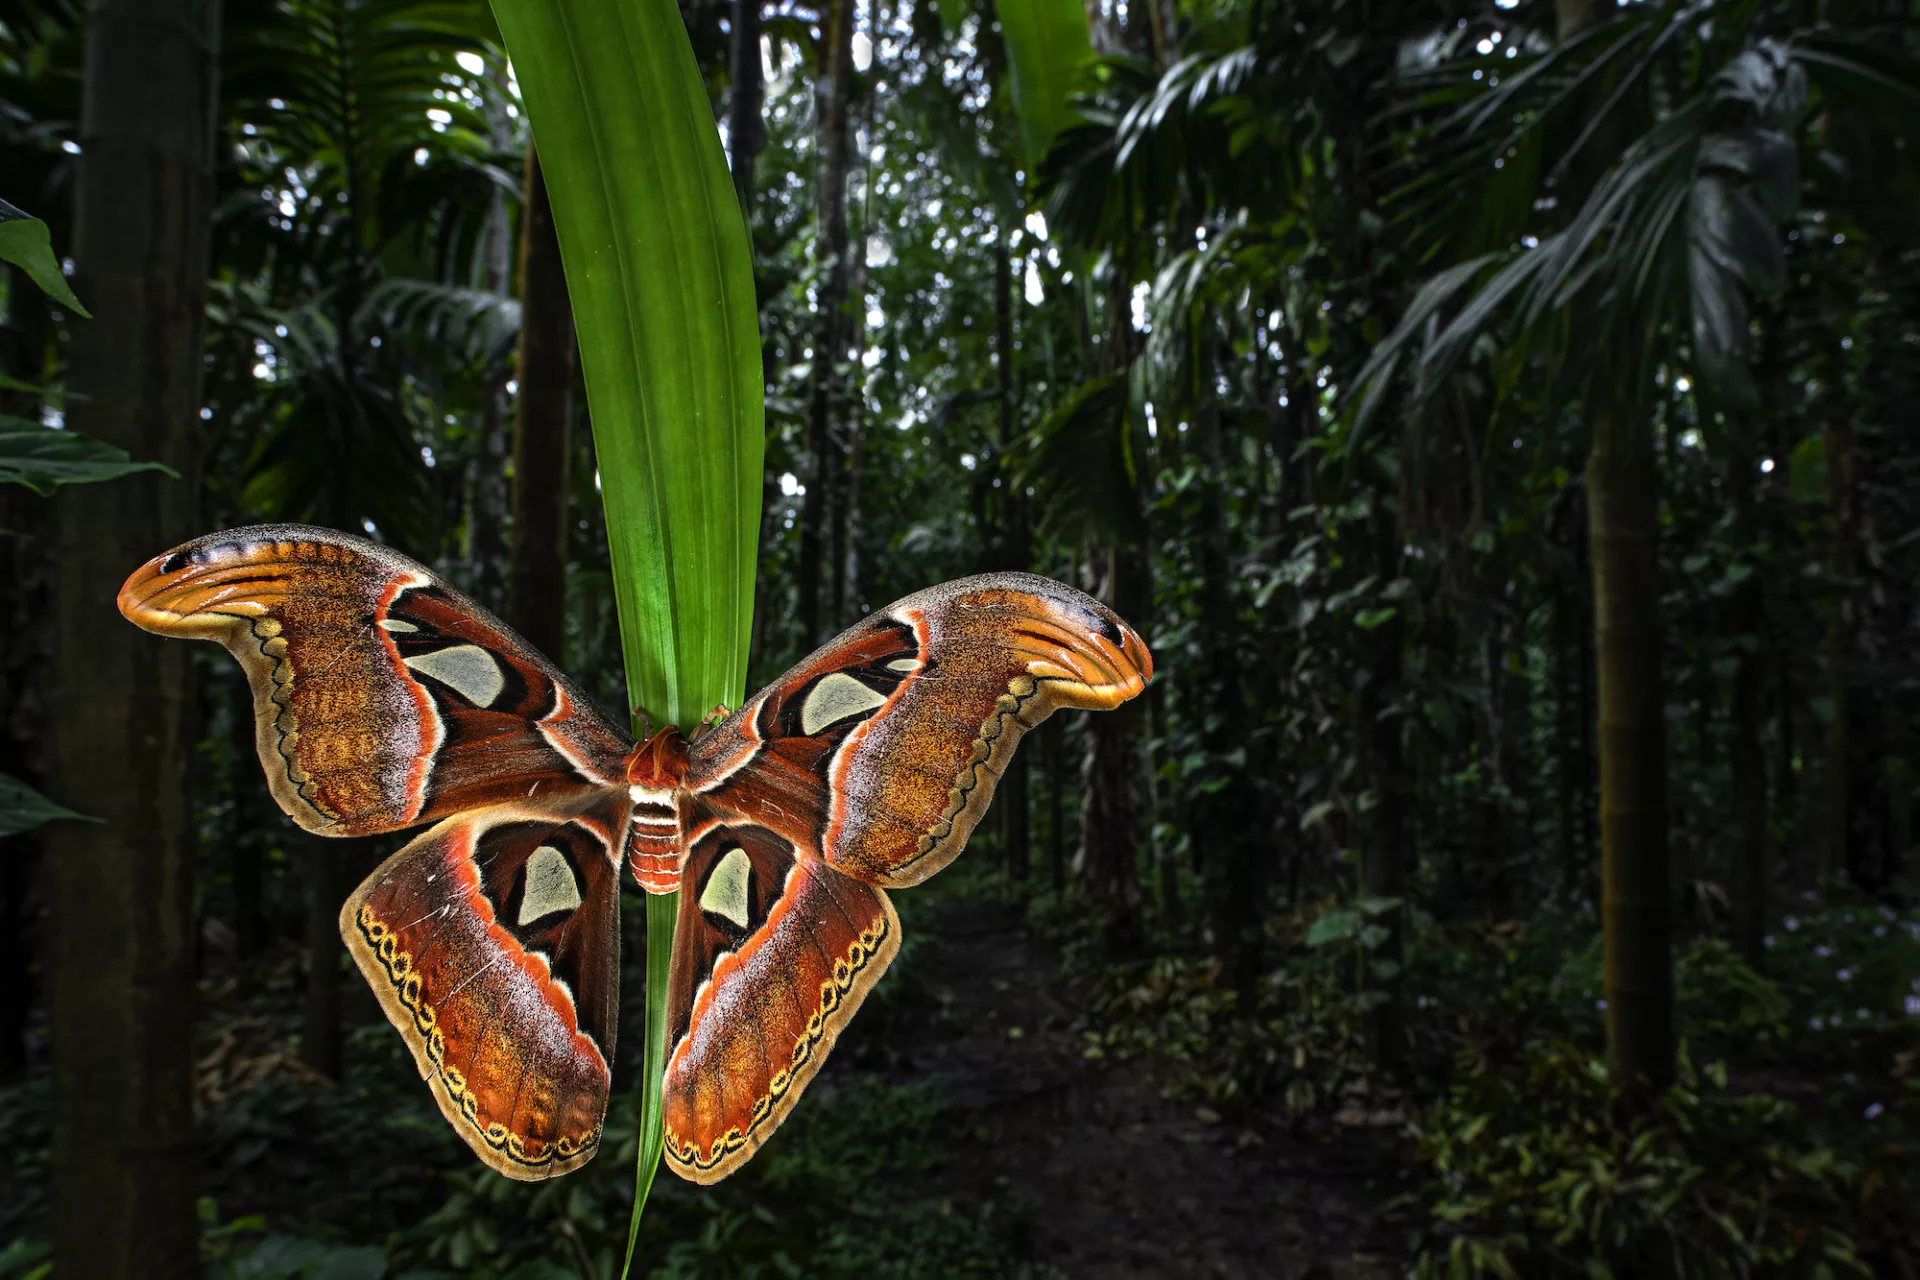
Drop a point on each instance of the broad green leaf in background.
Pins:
(661, 280)
(1048, 46)
(27, 244)
(43, 458)
(1335, 926)
(22, 808)
(1807, 471)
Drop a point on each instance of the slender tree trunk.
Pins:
(1109, 813)
(846, 525)
(26, 581)
(487, 515)
(1226, 814)
(543, 424)
(1053, 749)
(1786, 780)
(321, 863)
(846, 495)
(1016, 550)
(1623, 514)
(1384, 859)
(746, 130)
(1842, 566)
(246, 837)
(831, 93)
(1566, 722)
(1751, 860)
(121, 890)
(1107, 859)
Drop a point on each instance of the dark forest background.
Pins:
(1499, 418)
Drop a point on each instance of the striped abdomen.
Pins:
(654, 851)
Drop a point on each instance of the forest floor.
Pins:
(1113, 1179)
(960, 1126)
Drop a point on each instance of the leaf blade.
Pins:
(1048, 45)
(43, 458)
(661, 280)
(26, 242)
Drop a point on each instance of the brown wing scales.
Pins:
(383, 697)
(772, 956)
(881, 750)
(492, 943)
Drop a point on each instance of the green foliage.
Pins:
(661, 280)
(22, 808)
(1302, 1048)
(1526, 1175)
(660, 276)
(26, 242)
(1366, 640)
(1049, 49)
(43, 458)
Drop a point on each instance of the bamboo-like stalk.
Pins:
(1623, 508)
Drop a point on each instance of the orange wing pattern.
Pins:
(867, 765)
(772, 955)
(879, 753)
(383, 697)
(493, 944)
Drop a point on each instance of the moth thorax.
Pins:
(658, 764)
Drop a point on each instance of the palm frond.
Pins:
(1080, 464)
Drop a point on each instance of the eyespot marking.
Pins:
(467, 669)
(836, 698)
(725, 894)
(904, 665)
(396, 624)
(550, 885)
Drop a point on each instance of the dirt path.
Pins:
(1117, 1181)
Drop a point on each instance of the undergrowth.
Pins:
(363, 1180)
(1790, 1153)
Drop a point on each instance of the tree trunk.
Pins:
(845, 610)
(1109, 812)
(745, 128)
(1226, 820)
(121, 890)
(1751, 864)
(246, 836)
(1053, 749)
(1015, 546)
(1623, 513)
(1110, 806)
(1384, 859)
(1568, 719)
(26, 581)
(543, 423)
(1842, 565)
(320, 1038)
(831, 92)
